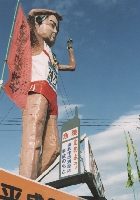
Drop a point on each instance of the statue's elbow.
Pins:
(73, 65)
(73, 68)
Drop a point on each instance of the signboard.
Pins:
(70, 147)
(69, 155)
(91, 166)
(14, 187)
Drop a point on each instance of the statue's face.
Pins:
(48, 29)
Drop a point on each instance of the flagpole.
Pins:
(135, 156)
(134, 193)
(9, 41)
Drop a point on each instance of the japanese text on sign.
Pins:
(67, 135)
(13, 193)
(69, 158)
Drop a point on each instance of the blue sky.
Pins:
(105, 85)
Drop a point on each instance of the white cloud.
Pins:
(124, 197)
(61, 7)
(105, 1)
(137, 106)
(64, 6)
(52, 176)
(116, 178)
(66, 110)
(109, 148)
(81, 190)
(63, 110)
(15, 171)
(79, 14)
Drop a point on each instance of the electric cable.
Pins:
(63, 102)
(2, 96)
(7, 113)
(65, 93)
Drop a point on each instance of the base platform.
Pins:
(78, 179)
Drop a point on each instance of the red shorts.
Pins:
(43, 87)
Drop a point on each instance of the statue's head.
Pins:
(44, 24)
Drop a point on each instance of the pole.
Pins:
(135, 156)
(9, 42)
(134, 193)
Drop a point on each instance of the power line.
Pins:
(83, 122)
(66, 93)
(60, 123)
(7, 113)
(2, 96)
(63, 102)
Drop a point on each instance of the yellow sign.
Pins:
(14, 187)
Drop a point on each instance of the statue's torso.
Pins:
(40, 67)
(43, 69)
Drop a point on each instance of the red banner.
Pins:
(19, 62)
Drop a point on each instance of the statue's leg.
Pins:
(34, 117)
(51, 144)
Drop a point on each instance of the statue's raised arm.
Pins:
(72, 66)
